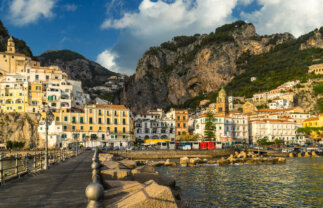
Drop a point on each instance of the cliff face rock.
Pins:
(188, 66)
(76, 66)
(21, 128)
(315, 40)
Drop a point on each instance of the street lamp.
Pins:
(48, 121)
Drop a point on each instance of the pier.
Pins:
(62, 185)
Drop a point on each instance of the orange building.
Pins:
(181, 122)
(222, 106)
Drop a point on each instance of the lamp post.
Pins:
(48, 120)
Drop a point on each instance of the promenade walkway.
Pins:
(63, 185)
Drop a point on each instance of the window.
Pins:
(115, 121)
(73, 119)
(57, 118)
(123, 121)
(47, 77)
(81, 120)
(90, 110)
(184, 118)
(124, 130)
(73, 127)
(37, 77)
(115, 113)
(108, 120)
(108, 128)
(100, 128)
(179, 125)
(124, 113)
(100, 120)
(90, 120)
(115, 129)
(65, 127)
(108, 113)
(91, 128)
(179, 133)
(100, 113)
(81, 127)
(184, 125)
(178, 118)
(65, 118)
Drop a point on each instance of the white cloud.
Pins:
(22, 12)
(70, 7)
(107, 59)
(158, 21)
(294, 16)
(160, 16)
(154, 22)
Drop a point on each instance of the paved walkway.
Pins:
(63, 185)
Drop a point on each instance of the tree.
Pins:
(9, 144)
(209, 130)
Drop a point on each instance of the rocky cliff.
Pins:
(21, 128)
(189, 66)
(77, 67)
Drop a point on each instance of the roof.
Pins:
(121, 107)
(312, 119)
(272, 120)
(267, 110)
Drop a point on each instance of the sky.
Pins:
(116, 33)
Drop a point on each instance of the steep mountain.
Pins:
(76, 66)
(189, 66)
(21, 46)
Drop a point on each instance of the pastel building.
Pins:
(108, 124)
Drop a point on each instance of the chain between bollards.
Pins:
(94, 191)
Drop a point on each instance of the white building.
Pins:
(280, 104)
(284, 129)
(54, 134)
(229, 129)
(154, 125)
(253, 79)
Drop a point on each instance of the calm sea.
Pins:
(298, 183)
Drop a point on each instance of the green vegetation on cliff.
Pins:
(284, 63)
(21, 46)
(64, 55)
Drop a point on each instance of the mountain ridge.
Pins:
(192, 66)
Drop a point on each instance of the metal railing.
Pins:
(17, 165)
(94, 191)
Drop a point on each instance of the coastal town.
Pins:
(27, 87)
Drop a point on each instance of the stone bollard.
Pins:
(291, 155)
(307, 155)
(94, 192)
(314, 154)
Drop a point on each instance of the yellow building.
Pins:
(35, 95)
(96, 122)
(12, 62)
(14, 99)
(222, 106)
(314, 122)
(316, 68)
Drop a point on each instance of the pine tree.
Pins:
(209, 130)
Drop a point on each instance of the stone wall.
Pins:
(173, 154)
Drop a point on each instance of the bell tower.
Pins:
(11, 46)
(222, 106)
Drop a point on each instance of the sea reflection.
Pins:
(298, 183)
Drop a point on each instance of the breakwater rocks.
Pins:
(303, 154)
(130, 183)
(172, 154)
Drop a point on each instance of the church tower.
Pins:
(222, 106)
(11, 46)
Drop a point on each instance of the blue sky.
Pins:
(115, 33)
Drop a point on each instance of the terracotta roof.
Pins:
(312, 119)
(107, 106)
